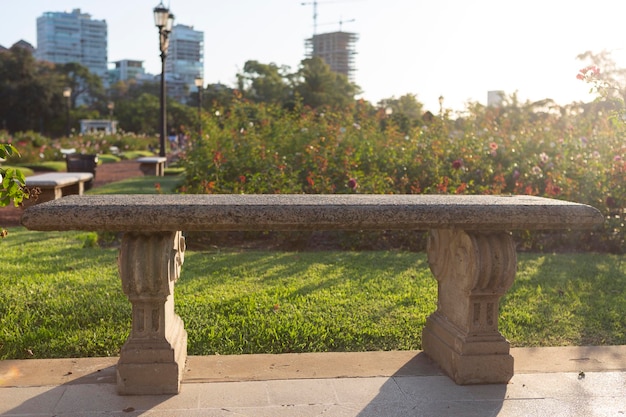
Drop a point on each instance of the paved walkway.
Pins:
(568, 381)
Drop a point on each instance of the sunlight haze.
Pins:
(456, 49)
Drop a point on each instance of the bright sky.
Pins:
(457, 49)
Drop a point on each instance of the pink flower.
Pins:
(588, 72)
(352, 183)
(457, 163)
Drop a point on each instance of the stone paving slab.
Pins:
(225, 368)
(368, 384)
(561, 394)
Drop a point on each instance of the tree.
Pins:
(266, 83)
(217, 96)
(318, 85)
(139, 115)
(405, 112)
(30, 92)
(86, 86)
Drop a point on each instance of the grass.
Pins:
(135, 154)
(25, 171)
(108, 158)
(140, 185)
(52, 166)
(62, 298)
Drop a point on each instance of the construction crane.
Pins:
(314, 3)
(341, 22)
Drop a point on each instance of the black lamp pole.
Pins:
(67, 93)
(163, 20)
(199, 83)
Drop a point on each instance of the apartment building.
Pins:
(64, 37)
(185, 59)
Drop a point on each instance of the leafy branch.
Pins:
(12, 182)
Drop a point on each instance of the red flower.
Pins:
(352, 183)
(457, 163)
(610, 202)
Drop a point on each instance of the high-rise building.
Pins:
(127, 69)
(185, 56)
(336, 49)
(64, 37)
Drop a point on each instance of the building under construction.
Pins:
(337, 49)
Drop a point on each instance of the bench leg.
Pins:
(153, 358)
(473, 270)
(153, 168)
(74, 189)
(47, 194)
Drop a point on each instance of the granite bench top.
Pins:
(57, 179)
(152, 213)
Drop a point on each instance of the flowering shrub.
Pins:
(573, 153)
(34, 147)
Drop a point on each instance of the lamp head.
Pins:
(161, 16)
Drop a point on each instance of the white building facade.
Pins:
(185, 56)
(64, 37)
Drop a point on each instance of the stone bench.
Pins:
(54, 185)
(152, 165)
(470, 252)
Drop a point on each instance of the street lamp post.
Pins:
(111, 107)
(199, 83)
(441, 106)
(67, 93)
(163, 20)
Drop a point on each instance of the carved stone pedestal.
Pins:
(153, 358)
(473, 270)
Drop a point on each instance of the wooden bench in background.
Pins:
(152, 165)
(55, 185)
(471, 254)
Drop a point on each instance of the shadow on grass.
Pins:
(141, 185)
(277, 302)
(569, 299)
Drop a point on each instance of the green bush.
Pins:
(573, 153)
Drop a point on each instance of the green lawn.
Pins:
(62, 298)
(141, 185)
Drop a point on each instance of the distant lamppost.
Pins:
(111, 107)
(199, 83)
(67, 93)
(163, 20)
(441, 106)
